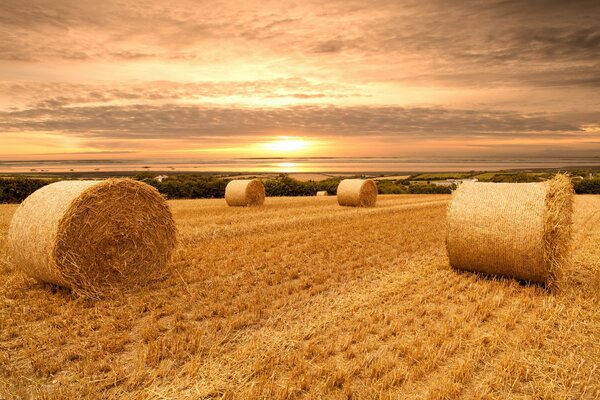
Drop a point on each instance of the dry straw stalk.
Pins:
(357, 193)
(520, 230)
(245, 192)
(93, 236)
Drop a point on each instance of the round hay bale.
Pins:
(245, 192)
(357, 193)
(93, 236)
(322, 193)
(520, 230)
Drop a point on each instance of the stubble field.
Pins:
(304, 299)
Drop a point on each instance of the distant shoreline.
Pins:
(241, 173)
(339, 166)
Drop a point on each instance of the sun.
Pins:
(286, 144)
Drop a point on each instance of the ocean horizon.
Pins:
(296, 165)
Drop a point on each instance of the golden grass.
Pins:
(302, 298)
(392, 177)
(305, 177)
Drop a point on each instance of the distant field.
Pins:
(488, 175)
(302, 177)
(310, 177)
(392, 177)
(303, 298)
(441, 176)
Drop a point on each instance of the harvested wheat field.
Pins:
(305, 299)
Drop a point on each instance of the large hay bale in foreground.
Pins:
(245, 192)
(357, 193)
(93, 236)
(322, 193)
(520, 230)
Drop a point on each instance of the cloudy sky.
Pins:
(194, 78)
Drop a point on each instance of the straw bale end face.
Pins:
(322, 193)
(93, 236)
(245, 192)
(357, 193)
(519, 230)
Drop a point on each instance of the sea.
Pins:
(367, 165)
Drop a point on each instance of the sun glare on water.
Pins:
(286, 144)
(286, 167)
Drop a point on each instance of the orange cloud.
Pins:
(374, 78)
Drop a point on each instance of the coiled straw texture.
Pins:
(520, 230)
(93, 236)
(245, 192)
(357, 193)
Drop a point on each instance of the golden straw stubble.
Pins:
(520, 230)
(245, 192)
(93, 236)
(357, 193)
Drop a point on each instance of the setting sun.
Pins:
(287, 144)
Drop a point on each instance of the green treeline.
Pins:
(208, 187)
(15, 190)
(587, 186)
(202, 187)
(187, 186)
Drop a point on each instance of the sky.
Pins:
(86, 79)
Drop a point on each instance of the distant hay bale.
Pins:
(245, 192)
(357, 193)
(520, 230)
(322, 193)
(93, 236)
